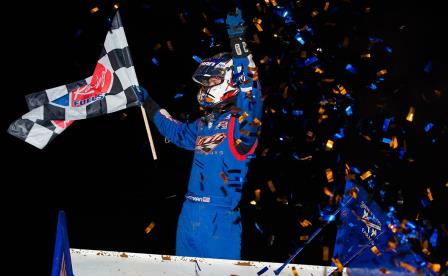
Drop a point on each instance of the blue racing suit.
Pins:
(209, 224)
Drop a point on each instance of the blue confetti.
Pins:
(349, 111)
(311, 60)
(372, 86)
(178, 95)
(310, 30)
(197, 59)
(375, 39)
(433, 239)
(219, 21)
(386, 124)
(410, 225)
(355, 170)
(388, 49)
(340, 134)
(296, 156)
(258, 228)
(297, 112)
(401, 153)
(425, 203)
(299, 38)
(155, 61)
(428, 127)
(351, 69)
(387, 140)
(285, 14)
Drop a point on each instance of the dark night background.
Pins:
(100, 171)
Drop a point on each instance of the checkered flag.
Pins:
(111, 88)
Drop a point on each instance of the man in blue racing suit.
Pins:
(224, 140)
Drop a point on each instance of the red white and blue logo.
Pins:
(93, 91)
(208, 143)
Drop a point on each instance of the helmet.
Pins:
(215, 76)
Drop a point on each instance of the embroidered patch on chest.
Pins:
(207, 143)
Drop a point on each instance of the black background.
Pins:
(100, 171)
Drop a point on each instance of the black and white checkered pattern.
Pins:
(49, 115)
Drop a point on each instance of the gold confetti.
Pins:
(394, 142)
(305, 223)
(329, 174)
(150, 227)
(381, 73)
(410, 116)
(271, 186)
(328, 192)
(257, 20)
(244, 132)
(347, 169)
(408, 267)
(338, 264)
(327, 6)
(285, 92)
(274, 3)
(354, 192)
(425, 246)
(242, 117)
(375, 250)
(366, 175)
(366, 55)
(325, 253)
(257, 195)
(116, 6)
(206, 31)
(314, 13)
(304, 237)
(94, 10)
(318, 70)
(329, 145)
(340, 90)
(264, 60)
(434, 267)
(224, 177)
(294, 271)
(256, 122)
(429, 194)
(328, 80)
(258, 26)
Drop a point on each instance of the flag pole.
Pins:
(148, 131)
(145, 118)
